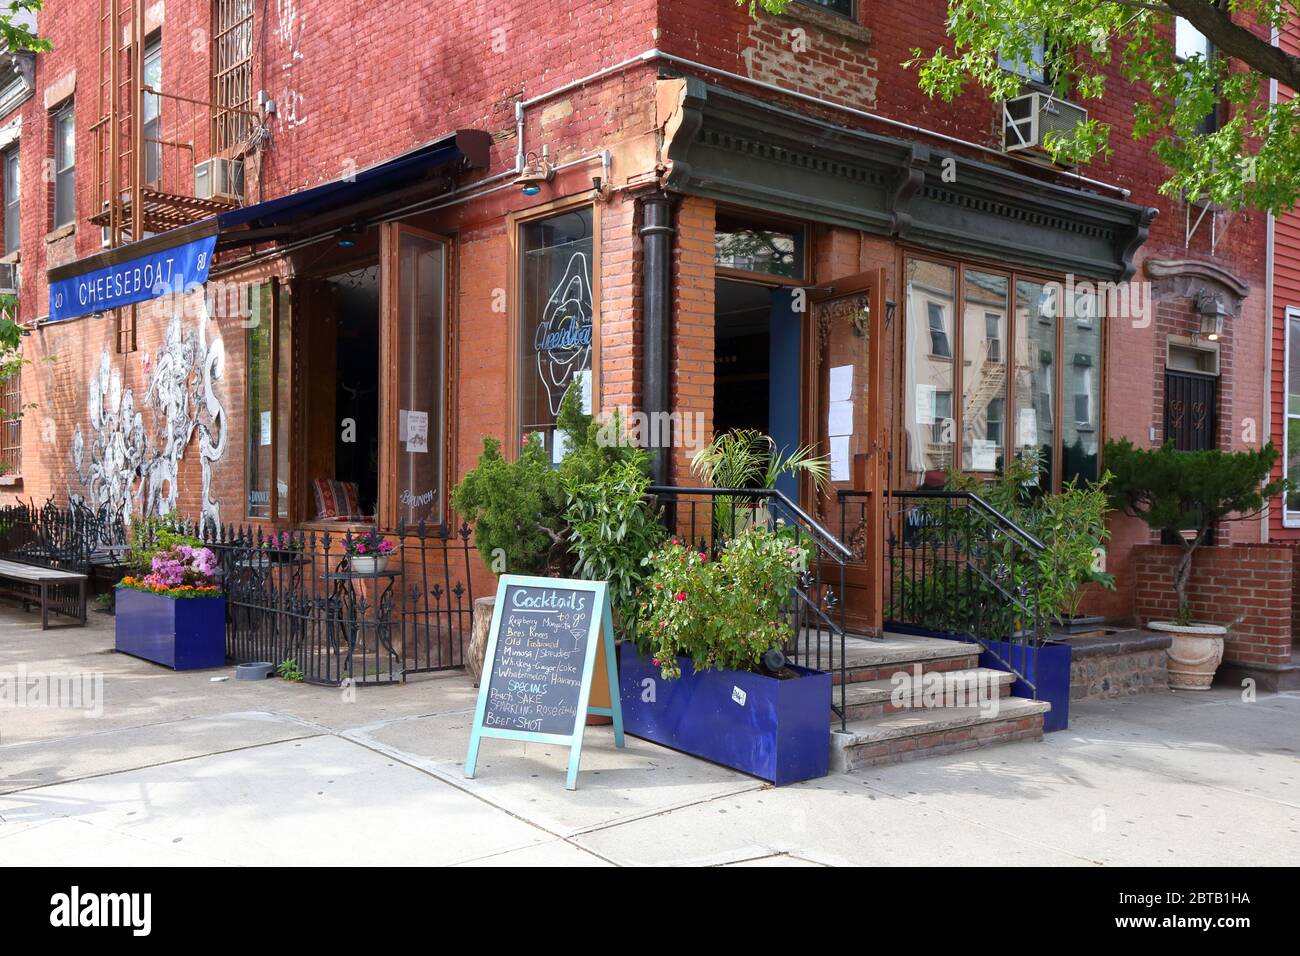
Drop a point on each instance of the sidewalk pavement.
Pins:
(181, 770)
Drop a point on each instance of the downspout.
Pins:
(656, 322)
(1270, 253)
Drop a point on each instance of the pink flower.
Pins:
(361, 547)
(654, 661)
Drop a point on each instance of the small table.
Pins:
(343, 599)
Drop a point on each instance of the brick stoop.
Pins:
(881, 731)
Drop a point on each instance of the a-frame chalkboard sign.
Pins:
(549, 638)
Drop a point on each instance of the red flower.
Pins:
(680, 595)
(654, 661)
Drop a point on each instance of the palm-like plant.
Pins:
(747, 458)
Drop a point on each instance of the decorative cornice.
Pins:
(1195, 268)
(735, 148)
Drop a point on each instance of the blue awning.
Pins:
(175, 260)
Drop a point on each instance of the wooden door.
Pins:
(847, 420)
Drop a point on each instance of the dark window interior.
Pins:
(741, 348)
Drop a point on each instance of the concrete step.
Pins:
(874, 698)
(869, 659)
(911, 734)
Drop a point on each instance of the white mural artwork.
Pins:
(131, 469)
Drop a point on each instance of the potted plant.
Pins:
(174, 615)
(281, 547)
(367, 552)
(747, 458)
(586, 517)
(1187, 494)
(704, 673)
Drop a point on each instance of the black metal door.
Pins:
(1191, 420)
(1191, 410)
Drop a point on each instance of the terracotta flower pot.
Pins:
(1194, 655)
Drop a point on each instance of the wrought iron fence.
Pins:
(709, 517)
(297, 596)
(293, 595)
(954, 564)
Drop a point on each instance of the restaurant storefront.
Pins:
(903, 311)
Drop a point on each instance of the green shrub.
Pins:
(611, 530)
(523, 511)
(1190, 491)
(724, 614)
(1049, 584)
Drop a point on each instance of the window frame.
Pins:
(1210, 124)
(228, 75)
(13, 194)
(390, 397)
(1054, 387)
(515, 222)
(1290, 518)
(760, 218)
(850, 14)
(152, 147)
(280, 290)
(64, 112)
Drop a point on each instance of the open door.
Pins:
(414, 379)
(844, 348)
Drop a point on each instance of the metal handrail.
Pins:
(830, 541)
(940, 493)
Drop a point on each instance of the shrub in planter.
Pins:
(723, 614)
(175, 614)
(703, 629)
(1187, 494)
(520, 509)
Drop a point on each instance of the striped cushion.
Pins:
(336, 499)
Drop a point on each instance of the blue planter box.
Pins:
(181, 633)
(778, 730)
(1052, 677)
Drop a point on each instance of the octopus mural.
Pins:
(133, 468)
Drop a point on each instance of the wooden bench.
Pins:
(31, 579)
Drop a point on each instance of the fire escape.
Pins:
(164, 159)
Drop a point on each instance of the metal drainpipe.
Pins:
(656, 290)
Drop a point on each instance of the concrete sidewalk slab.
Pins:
(527, 779)
(46, 762)
(137, 692)
(320, 801)
(836, 822)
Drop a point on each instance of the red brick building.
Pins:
(746, 223)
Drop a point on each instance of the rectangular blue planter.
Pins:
(778, 730)
(181, 633)
(1052, 677)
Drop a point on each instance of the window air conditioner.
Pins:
(218, 178)
(1027, 119)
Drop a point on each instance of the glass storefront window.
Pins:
(983, 370)
(268, 400)
(1081, 416)
(555, 319)
(1028, 368)
(753, 244)
(421, 310)
(931, 294)
(1037, 308)
(259, 427)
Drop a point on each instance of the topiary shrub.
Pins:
(1189, 491)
